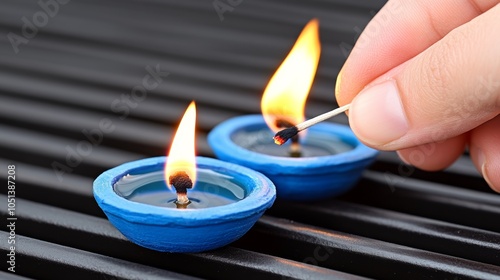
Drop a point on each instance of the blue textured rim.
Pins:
(220, 141)
(261, 194)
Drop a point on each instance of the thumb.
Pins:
(450, 88)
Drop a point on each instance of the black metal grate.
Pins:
(79, 68)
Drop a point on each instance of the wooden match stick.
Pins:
(282, 136)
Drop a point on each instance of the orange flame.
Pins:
(181, 156)
(285, 96)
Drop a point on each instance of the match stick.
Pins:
(282, 136)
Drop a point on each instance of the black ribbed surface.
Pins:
(398, 223)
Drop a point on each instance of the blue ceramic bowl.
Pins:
(300, 179)
(184, 230)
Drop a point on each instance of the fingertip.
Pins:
(485, 152)
(341, 100)
(377, 115)
(404, 156)
(434, 156)
(486, 167)
(492, 178)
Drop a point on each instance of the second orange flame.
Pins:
(286, 93)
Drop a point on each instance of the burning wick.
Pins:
(282, 136)
(181, 182)
(295, 150)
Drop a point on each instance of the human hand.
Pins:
(428, 77)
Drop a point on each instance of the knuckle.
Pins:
(441, 65)
(446, 59)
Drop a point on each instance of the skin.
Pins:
(424, 80)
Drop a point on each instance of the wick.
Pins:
(182, 201)
(181, 182)
(295, 149)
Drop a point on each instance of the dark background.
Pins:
(77, 65)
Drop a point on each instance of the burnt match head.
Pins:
(181, 182)
(282, 136)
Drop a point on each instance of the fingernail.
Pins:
(481, 160)
(484, 171)
(402, 157)
(486, 178)
(377, 116)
